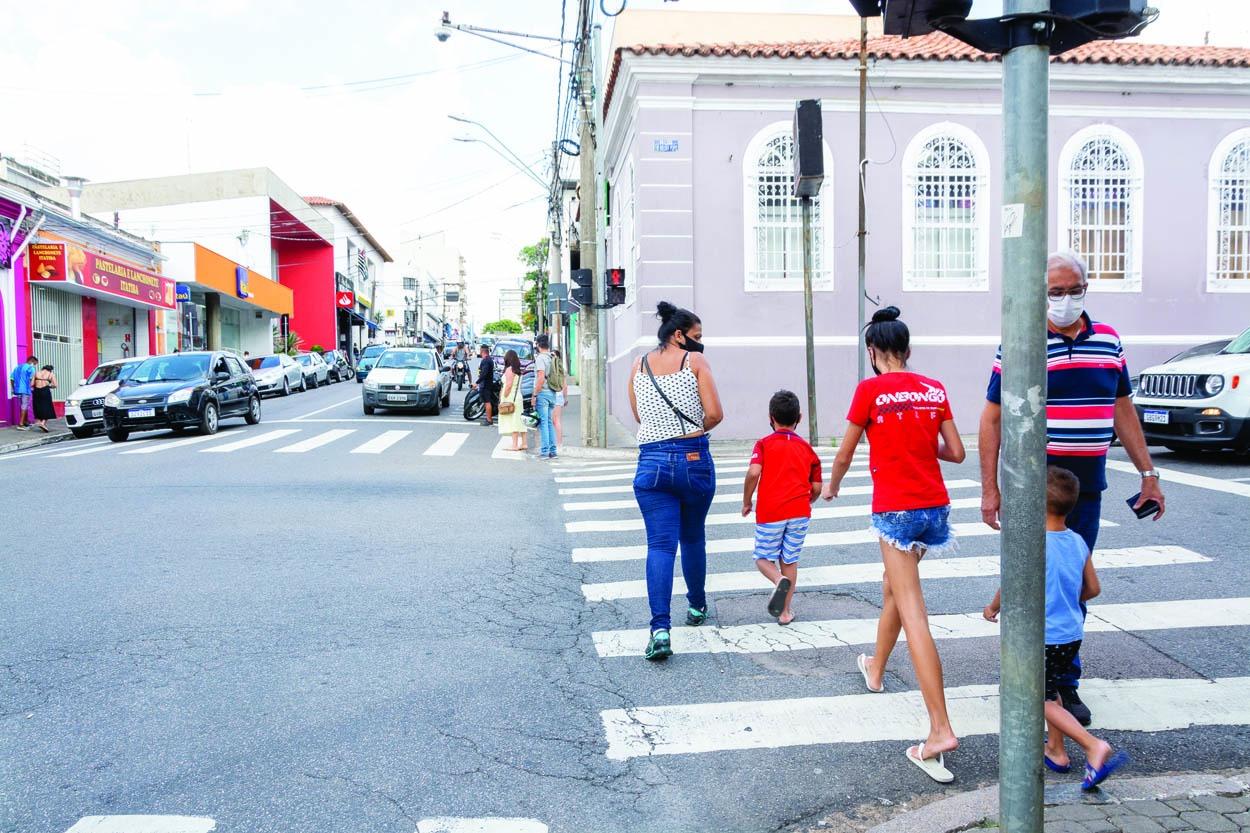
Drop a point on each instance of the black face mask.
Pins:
(693, 346)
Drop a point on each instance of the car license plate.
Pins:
(90, 414)
(140, 413)
(1155, 417)
(396, 397)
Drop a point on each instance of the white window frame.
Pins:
(822, 279)
(1132, 281)
(1222, 151)
(979, 280)
(629, 234)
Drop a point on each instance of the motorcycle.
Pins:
(474, 408)
(460, 373)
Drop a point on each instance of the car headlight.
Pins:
(1214, 384)
(112, 400)
(180, 396)
(429, 384)
(371, 385)
(72, 403)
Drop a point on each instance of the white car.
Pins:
(1199, 402)
(408, 377)
(84, 409)
(277, 374)
(316, 372)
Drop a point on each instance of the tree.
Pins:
(503, 325)
(534, 299)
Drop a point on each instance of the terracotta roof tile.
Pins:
(940, 47)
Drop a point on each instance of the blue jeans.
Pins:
(546, 428)
(1083, 520)
(674, 485)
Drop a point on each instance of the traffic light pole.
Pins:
(813, 432)
(1026, 80)
(591, 378)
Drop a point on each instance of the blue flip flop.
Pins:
(1094, 777)
(1054, 767)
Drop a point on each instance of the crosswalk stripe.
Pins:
(324, 438)
(584, 466)
(380, 443)
(1217, 484)
(846, 491)
(819, 513)
(153, 446)
(767, 637)
(49, 449)
(865, 572)
(628, 488)
(446, 445)
(629, 475)
(447, 824)
(143, 824)
(81, 451)
(1141, 705)
(503, 450)
(248, 442)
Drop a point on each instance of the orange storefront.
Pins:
(226, 306)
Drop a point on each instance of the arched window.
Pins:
(1100, 206)
(1228, 259)
(946, 211)
(773, 232)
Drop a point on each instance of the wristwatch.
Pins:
(1150, 473)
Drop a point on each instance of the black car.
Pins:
(182, 390)
(340, 369)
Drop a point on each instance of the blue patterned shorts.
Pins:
(781, 540)
(922, 531)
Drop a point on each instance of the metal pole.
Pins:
(554, 256)
(862, 233)
(596, 239)
(591, 377)
(813, 434)
(1026, 79)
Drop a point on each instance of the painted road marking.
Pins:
(448, 824)
(819, 513)
(1143, 705)
(846, 491)
(569, 467)
(143, 824)
(768, 637)
(324, 438)
(446, 445)
(51, 448)
(372, 420)
(628, 488)
(863, 573)
(503, 450)
(153, 446)
(629, 475)
(81, 451)
(1202, 482)
(380, 443)
(303, 417)
(248, 442)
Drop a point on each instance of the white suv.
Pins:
(1200, 402)
(84, 409)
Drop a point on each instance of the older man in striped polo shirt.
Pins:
(1087, 398)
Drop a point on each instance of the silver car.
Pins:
(279, 374)
(316, 371)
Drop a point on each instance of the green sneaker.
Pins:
(696, 616)
(658, 648)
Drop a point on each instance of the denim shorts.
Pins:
(922, 531)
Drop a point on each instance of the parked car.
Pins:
(182, 390)
(336, 363)
(316, 373)
(525, 352)
(277, 374)
(368, 357)
(1200, 402)
(84, 409)
(408, 377)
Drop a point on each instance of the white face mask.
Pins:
(1063, 312)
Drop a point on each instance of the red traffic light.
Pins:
(616, 277)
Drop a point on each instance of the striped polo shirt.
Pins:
(1084, 377)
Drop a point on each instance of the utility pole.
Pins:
(555, 256)
(594, 411)
(1026, 83)
(862, 233)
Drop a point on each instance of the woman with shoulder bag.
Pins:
(510, 414)
(675, 403)
(41, 393)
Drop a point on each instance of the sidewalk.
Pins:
(12, 439)
(1197, 803)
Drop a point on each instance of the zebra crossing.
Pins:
(606, 539)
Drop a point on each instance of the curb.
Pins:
(969, 809)
(591, 453)
(26, 445)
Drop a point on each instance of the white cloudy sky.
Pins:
(137, 88)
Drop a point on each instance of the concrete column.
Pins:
(212, 323)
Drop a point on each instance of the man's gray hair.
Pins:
(1070, 260)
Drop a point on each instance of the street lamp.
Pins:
(446, 27)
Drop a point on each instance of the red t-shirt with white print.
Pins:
(902, 414)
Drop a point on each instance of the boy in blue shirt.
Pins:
(1070, 581)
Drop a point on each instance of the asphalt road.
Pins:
(299, 634)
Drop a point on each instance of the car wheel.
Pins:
(209, 419)
(286, 387)
(253, 411)
(368, 410)
(118, 435)
(82, 433)
(303, 384)
(447, 398)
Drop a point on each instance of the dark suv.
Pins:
(182, 390)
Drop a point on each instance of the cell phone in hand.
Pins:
(1147, 509)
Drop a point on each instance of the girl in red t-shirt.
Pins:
(910, 428)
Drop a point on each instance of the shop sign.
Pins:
(345, 300)
(183, 293)
(122, 280)
(46, 262)
(240, 279)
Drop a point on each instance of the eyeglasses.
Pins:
(1074, 292)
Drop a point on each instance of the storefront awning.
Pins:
(360, 319)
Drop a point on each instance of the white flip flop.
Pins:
(935, 768)
(862, 664)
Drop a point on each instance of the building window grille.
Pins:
(1229, 260)
(1101, 207)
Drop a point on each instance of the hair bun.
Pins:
(664, 310)
(886, 314)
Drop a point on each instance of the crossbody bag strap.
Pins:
(682, 418)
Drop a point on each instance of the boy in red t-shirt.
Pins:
(787, 471)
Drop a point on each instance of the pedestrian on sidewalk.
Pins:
(1088, 401)
(675, 403)
(909, 424)
(511, 419)
(787, 471)
(486, 382)
(1070, 582)
(562, 396)
(545, 387)
(41, 392)
(20, 382)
